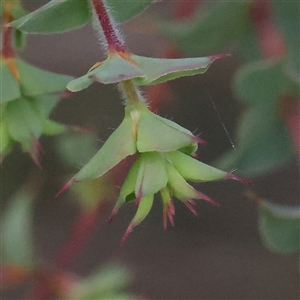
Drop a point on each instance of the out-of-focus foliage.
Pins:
(16, 230)
(63, 15)
(279, 227)
(263, 141)
(266, 35)
(108, 282)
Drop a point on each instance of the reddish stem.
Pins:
(81, 233)
(109, 30)
(7, 50)
(43, 289)
(47, 287)
(270, 40)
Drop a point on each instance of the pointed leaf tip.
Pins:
(189, 203)
(217, 56)
(127, 232)
(113, 213)
(168, 213)
(206, 198)
(65, 187)
(138, 198)
(35, 158)
(199, 140)
(234, 177)
(35, 151)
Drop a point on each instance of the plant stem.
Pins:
(270, 40)
(82, 230)
(111, 34)
(7, 50)
(131, 93)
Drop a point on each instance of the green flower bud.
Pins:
(163, 164)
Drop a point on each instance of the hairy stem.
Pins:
(110, 32)
(130, 92)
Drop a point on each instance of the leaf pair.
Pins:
(24, 120)
(62, 15)
(142, 70)
(264, 141)
(31, 81)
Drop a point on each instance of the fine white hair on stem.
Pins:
(125, 95)
(97, 26)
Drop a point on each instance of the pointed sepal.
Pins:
(159, 134)
(118, 146)
(193, 169)
(181, 189)
(152, 175)
(168, 207)
(143, 210)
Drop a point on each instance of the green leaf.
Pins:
(217, 24)
(16, 230)
(129, 184)
(113, 69)
(263, 144)
(180, 188)
(159, 70)
(52, 128)
(36, 81)
(263, 141)
(23, 120)
(19, 39)
(279, 227)
(264, 82)
(247, 46)
(118, 146)
(288, 19)
(144, 70)
(63, 15)
(55, 16)
(124, 10)
(46, 104)
(6, 140)
(18, 11)
(143, 210)
(76, 148)
(159, 134)
(91, 192)
(193, 169)
(152, 175)
(9, 87)
(105, 283)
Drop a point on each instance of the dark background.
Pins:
(218, 255)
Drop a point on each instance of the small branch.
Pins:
(111, 34)
(270, 40)
(7, 49)
(81, 233)
(47, 283)
(131, 93)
